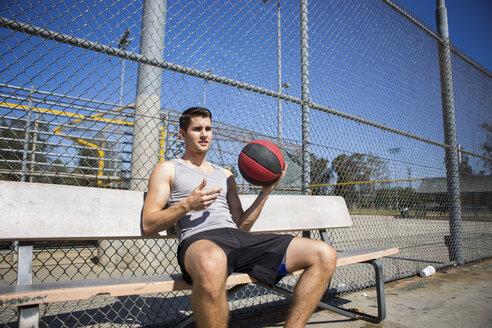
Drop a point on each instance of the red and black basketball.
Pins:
(260, 162)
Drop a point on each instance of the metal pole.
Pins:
(26, 138)
(145, 152)
(34, 146)
(146, 133)
(306, 147)
(205, 82)
(122, 43)
(452, 167)
(166, 139)
(122, 81)
(28, 316)
(204, 101)
(279, 69)
(395, 151)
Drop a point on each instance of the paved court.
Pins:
(453, 297)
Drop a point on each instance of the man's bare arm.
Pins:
(246, 219)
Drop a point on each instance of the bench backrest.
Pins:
(32, 211)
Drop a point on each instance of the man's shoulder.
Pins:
(165, 167)
(227, 171)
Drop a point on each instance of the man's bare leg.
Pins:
(318, 259)
(206, 263)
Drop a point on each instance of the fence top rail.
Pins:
(35, 211)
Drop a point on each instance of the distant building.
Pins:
(476, 193)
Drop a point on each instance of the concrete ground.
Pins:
(453, 297)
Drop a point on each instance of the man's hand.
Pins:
(246, 219)
(269, 188)
(201, 198)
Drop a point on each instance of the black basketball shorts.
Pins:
(259, 255)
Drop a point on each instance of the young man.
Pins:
(201, 201)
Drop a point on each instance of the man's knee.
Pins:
(322, 255)
(206, 265)
(304, 253)
(327, 255)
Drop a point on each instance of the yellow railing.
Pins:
(77, 118)
(363, 182)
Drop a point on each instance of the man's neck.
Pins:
(198, 160)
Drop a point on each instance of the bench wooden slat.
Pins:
(363, 255)
(34, 211)
(24, 295)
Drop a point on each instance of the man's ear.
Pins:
(182, 133)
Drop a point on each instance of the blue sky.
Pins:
(470, 25)
(394, 76)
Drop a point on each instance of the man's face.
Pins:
(198, 136)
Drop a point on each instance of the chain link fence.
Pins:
(354, 93)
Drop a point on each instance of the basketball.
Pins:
(260, 162)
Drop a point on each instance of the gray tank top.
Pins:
(215, 216)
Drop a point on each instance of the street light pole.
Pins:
(395, 150)
(279, 71)
(205, 82)
(280, 86)
(122, 44)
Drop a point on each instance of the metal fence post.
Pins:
(279, 71)
(306, 140)
(146, 134)
(148, 100)
(452, 167)
(25, 152)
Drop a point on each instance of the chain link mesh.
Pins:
(71, 92)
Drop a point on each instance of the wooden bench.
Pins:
(40, 212)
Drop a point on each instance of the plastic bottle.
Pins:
(427, 271)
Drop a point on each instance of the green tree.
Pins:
(407, 197)
(88, 167)
(487, 145)
(320, 174)
(64, 175)
(12, 149)
(234, 171)
(356, 168)
(464, 167)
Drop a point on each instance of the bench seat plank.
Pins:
(62, 291)
(364, 255)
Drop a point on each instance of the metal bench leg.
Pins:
(189, 319)
(380, 296)
(378, 268)
(185, 322)
(28, 316)
(381, 299)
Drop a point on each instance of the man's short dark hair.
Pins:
(184, 120)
